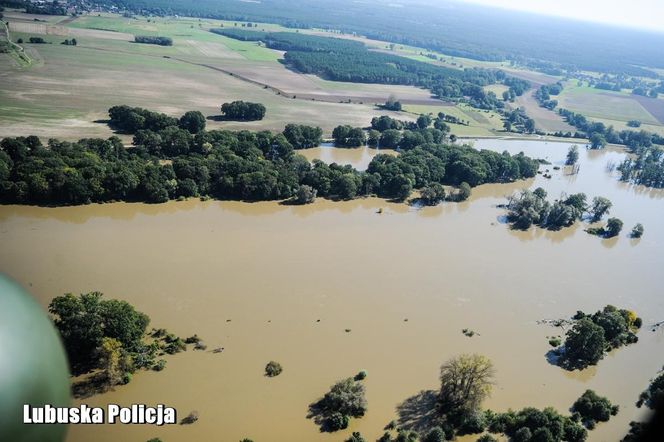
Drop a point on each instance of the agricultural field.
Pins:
(616, 106)
(68, 88)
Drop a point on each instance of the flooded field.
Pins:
(256, 278)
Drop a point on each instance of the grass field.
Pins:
(481, 123)
(596, 103)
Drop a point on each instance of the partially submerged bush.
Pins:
(593, 408)
(273, 369)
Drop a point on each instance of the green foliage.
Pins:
(436, 434)
(600, 207)
(337, 421)
(433, 194)
(345, 399)
(273, 369)
(348, 136)
(232, 165)
(654, 394)
(243, 111)
(193, 121)
(356, 437)
(554, 342)
(464, 191)
(305, 194)
(593, 408)
(84, 322)
(613, 227)
(572, 155)
(465, 382)
(153, 40)
(302, 136)
(637, 231)
(527, 208)
(361, 375)
(594, 334)
(531, 424)
(487, 438)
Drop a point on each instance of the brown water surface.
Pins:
(255, 278)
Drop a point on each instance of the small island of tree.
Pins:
(243, 111)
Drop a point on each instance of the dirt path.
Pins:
(20, 49)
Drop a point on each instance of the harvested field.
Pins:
(653, 105)
(546, 120)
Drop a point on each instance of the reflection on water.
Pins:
(191, 265)
(359, 157)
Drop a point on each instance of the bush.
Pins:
(594, 408)
(487, 438)
(337, 421)
(436, 434)
(160, 365)
(356, 437)
(273, 369)
(361, 375)
(464, 192)
(613, 227)
(305, 194)
(433, 194)
(637, 231)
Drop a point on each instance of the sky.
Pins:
(640, 14)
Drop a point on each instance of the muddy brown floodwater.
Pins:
(274, 270)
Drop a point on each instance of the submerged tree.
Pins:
(465, 381)
(572, 155)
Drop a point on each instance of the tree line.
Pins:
(347, 60)
(224, 164)
(153, 40)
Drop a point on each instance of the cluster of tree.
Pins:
(37, 40)
(243, 111)
(392, 104)
(531, 207)
(592, 336)
(543, 95)
(105, 334)
(465, 382)
(599, 134)
(592, 408)
(348, 60)
(346, 399)
(153, 40)
(348, 136)
(516, 120)
(72, 42)
(531, 425)
(646, 168)
(132, 119)
(654, 394)
(228, 165)
(301, 136)
(612, 228)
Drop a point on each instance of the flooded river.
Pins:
(256, 278)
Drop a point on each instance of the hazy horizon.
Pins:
(644, 15)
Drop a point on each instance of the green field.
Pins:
(600, 104)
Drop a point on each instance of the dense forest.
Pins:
(225, 165)
(347, 60)
(456, 29)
